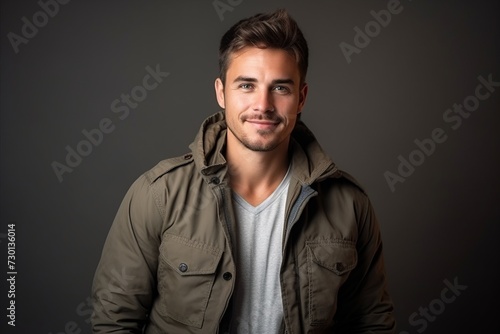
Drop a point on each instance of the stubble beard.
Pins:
(255, 145)
(258, 145)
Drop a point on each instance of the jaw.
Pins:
(261, 141)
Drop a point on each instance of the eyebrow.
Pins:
(274, 82)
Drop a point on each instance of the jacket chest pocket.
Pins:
(328, 266)
(186, 274)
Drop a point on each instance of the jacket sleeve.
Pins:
(125, 280)
(364, 305)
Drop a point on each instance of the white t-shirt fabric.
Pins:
(258, 237)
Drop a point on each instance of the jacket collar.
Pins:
(309, 161)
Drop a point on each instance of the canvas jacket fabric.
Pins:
(167, 265)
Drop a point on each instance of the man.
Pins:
(255, 230)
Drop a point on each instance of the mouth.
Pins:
(265, 118)
(263, 124)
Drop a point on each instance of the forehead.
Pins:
(260, 61)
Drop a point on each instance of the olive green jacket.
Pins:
(167, 265)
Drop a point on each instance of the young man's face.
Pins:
(262, 98)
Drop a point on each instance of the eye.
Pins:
(282, 89)
(246, 86)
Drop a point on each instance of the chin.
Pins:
(259, 146)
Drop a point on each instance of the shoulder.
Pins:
(350, 180)
(167, 166)
(147, 194)
(343, 181)
(342, 188)
(346, 200)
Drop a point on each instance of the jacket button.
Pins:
(215, 180)
(183, 267)
(227, 276)
(339, 266)
(188, 156)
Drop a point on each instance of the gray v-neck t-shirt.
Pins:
(258, 237)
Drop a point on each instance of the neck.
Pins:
(254, 175)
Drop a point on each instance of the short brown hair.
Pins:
(274, 30)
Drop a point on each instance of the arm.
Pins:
(125, 280)
(364, 303)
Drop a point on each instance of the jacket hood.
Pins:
(310, 162)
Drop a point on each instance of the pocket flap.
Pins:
(338, 256)
(188, 257)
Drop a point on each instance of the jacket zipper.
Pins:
(295, 212)
(306, 193)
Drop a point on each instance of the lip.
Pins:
(262, 124)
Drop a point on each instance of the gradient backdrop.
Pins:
(376, 91)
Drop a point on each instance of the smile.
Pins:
(262, 124)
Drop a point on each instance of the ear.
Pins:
(302, 97)
(219, 93)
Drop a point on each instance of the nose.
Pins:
(263, 101)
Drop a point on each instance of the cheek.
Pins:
(289, 106)
(238, 101)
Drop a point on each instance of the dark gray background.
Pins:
(441, 223)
